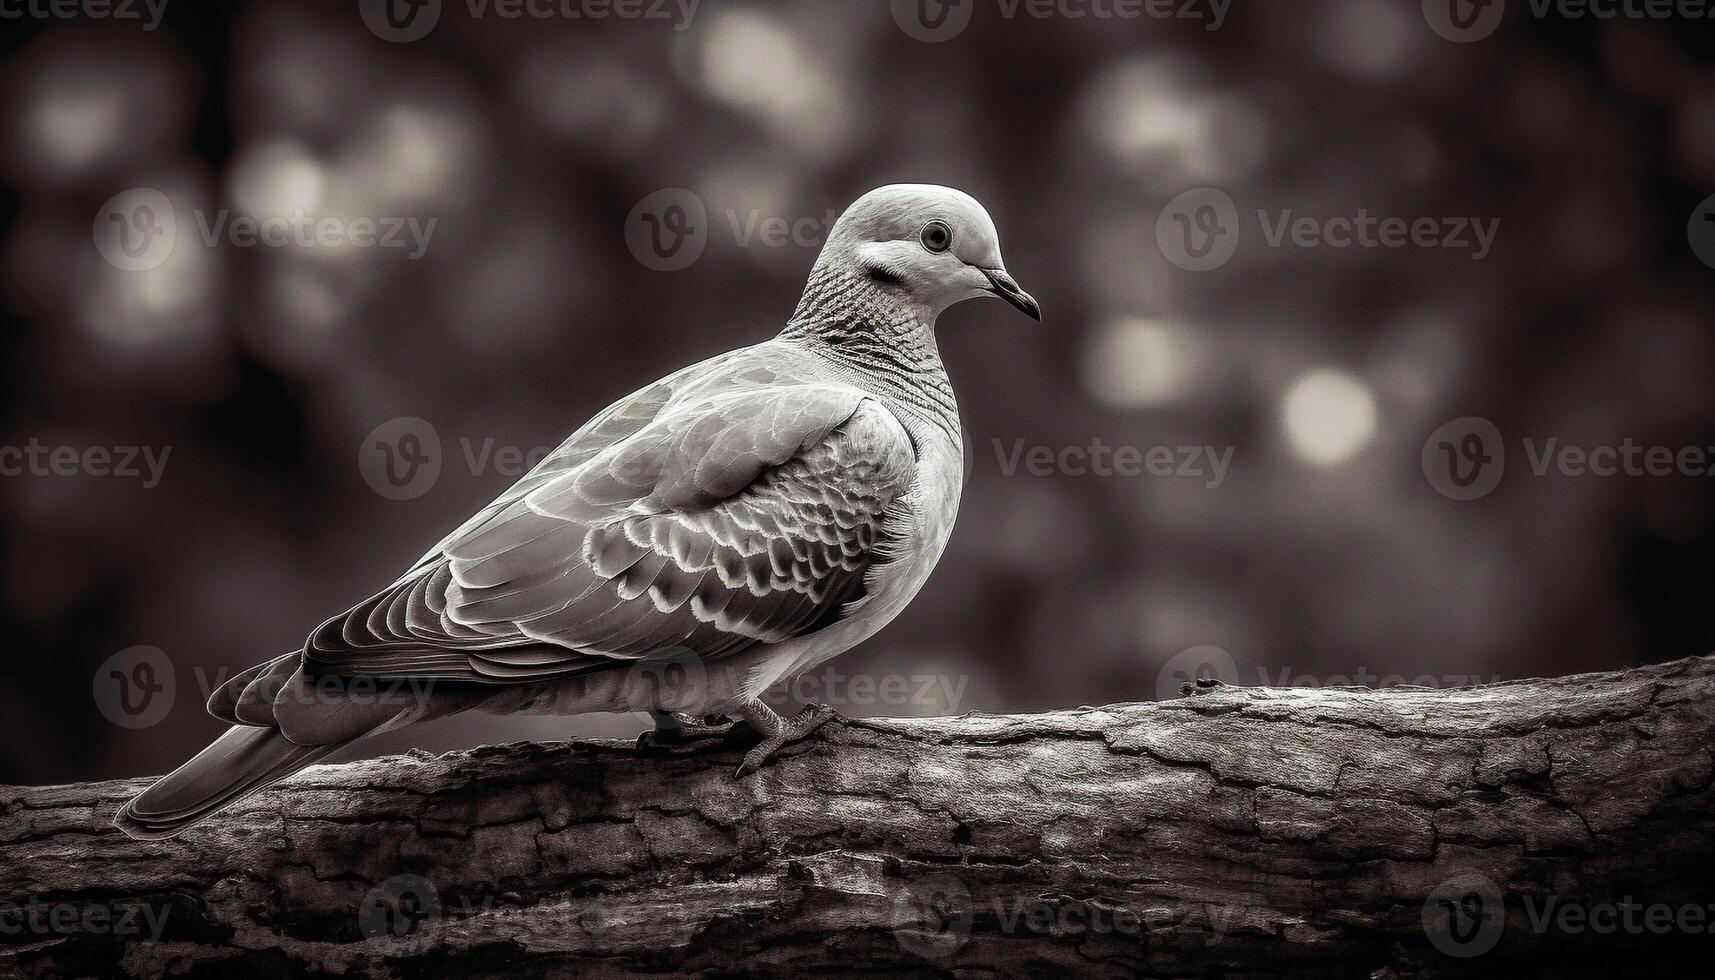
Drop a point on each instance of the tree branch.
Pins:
(1238, 830)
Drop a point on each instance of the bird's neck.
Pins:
(863, 329)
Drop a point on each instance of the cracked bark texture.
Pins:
(1236, 831)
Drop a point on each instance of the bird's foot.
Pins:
(777, 733)
(676, 729)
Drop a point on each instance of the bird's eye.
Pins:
(937, 237)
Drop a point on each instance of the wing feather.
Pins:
(737, 503)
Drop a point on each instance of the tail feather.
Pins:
(223, 703)
(283, 722)
(255, 705)
(239, 763)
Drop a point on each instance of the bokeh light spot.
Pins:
(1133, 362)
(276, 179)
(1329, 415)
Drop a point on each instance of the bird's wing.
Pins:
(705, 514)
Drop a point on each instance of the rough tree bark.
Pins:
(1247, 831)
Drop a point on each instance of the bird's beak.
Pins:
(1004, 287)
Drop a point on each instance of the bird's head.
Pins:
(928, 245)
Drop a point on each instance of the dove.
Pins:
(737, 522)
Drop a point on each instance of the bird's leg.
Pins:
(675, 728)
(776, 731)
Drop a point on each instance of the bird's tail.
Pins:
(239, 763)
(282, 722)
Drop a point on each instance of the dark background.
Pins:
(264, 369)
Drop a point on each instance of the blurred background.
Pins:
(1325, 552)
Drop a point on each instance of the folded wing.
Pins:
(706, 514)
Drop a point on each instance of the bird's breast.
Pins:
(917, 528)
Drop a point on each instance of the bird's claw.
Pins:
(803, 724)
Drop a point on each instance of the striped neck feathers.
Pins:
(866, 328)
